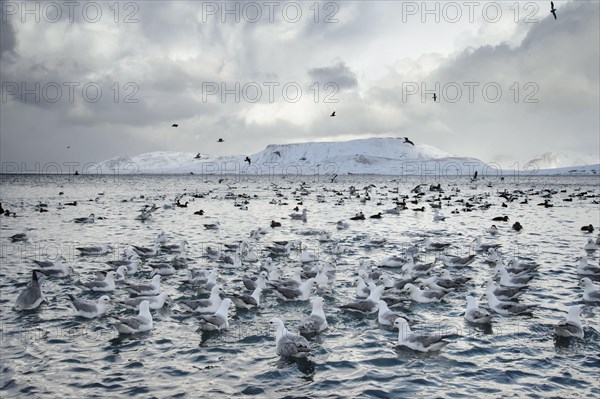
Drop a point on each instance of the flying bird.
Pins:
(332, 114)
(434, 97)
(68, 147)
(220, 141)
(333, 178)
(174, 125)
(248, 160)
(552, 9)
(406, 140)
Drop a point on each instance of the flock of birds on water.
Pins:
(381, 289)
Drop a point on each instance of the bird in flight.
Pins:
(68, 147)
(332, 114)
(434, 97)
(406, 140)
(333, 179)
(248, 160)
(174, 125)
(552, 9)
(220, 141)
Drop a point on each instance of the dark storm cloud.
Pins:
(339, 74)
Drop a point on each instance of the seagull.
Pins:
(590, 246)
(493, 230)
(252, 283)
(418, 342)
(342, 225)
(506, 308)
(552, 9)
(96, 250)
(219, 320)
(156, 301)
(386, 317)
(591, 293)
(515, 281)
(174, 248)
(481, 247)
(88, 219)
(209, 305)
(316, 322)
(300, 293)
(332, 114)
(474, 314)
(20, 237)
(60, 271)
(152, 288)
(407, 141)
(434, 97)
(288, 344)
(147, 252)
(220, 141)
(87, 308)
(56, 263)
(395, 284)
(248, 301)
(369, 305)
(587, 270)
(32, 296)
(434, 246)
(503, 293)
(105, 285)
(212, 226)
(451, 260)
(248, 160)
(135, 324)
(174, 125)
(299, 216)
(571, 325)
(423, 296)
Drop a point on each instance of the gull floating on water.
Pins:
(288, 344)
(571, 325)
(32, 296)
(369, 305)
(96, 250)
(300, 293)
(423, 296)
(586, 269)
(155, 302)
(474, 314)
(418, 342)
(591, 293)
(87, 219)
(316, 322)
(209, 305)
(135, 324)
(506, 308)
(88, 308)
(386, 317)
(219, 320)
(148, 289)
(105, 285)
(245, 301)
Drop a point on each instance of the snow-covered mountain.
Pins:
(551, 160)
(384, 156)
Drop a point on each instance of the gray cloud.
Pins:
(171, 53)
(338, 74)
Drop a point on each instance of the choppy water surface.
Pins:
(50, 353)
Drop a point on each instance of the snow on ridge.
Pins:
(382, 156)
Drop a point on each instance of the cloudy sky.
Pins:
(109, 80)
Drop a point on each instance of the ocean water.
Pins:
(49, 353)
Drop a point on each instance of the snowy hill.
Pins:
(384, 156)
(551, 160)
